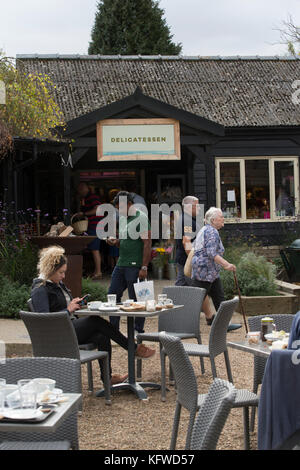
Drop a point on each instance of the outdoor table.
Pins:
(131, 384)
(260, 349)
(50, 424)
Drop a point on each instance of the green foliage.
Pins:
(131, 27)
(13, 297)
(255, 275)
(18, 257)
(96, 290)
(30, 109)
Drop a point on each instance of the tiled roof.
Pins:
(232, 91)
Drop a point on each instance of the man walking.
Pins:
(134, 252)
(188, 227)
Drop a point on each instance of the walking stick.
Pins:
(240, 299)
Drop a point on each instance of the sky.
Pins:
(218, 27)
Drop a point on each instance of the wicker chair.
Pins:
(84, 347)
(187, 390)
(282, 322)
(183, 322)
(67, 374)
(53, 335)
(19, 445)
(213, 415)
(217, 343)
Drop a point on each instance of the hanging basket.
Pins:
(80, 226)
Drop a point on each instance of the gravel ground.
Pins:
(131, 424)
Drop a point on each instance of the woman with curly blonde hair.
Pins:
(49, 294)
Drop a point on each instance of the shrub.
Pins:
(96, 290)
(13, 297)
(255, 275)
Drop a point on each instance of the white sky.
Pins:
(204, 27)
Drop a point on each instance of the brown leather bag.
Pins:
(188, 264)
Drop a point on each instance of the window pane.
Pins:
(257, 189)
(230, 189)
(284, 188)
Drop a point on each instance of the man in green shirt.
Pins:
(134, 252)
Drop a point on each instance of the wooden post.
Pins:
(67, 194)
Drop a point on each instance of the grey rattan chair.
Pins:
(217, 343)
(187, 390)
(282, 322)
(183, 322)
(213, 415)
(53, 335)
(66, 372)
(85, 347)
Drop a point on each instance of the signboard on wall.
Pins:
(138, 139)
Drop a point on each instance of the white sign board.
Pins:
(138, 139)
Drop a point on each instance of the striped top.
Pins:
(91, 201)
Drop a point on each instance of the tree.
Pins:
(131, 27)
(30, 109)
(290, 35)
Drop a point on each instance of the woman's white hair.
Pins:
(211, 214)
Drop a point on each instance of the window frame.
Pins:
(241, 160)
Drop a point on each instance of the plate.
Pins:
(278, 345)
(52, 397)
(272, 337)
(22, 414)
(106, 308)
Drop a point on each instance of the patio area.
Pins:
(131, 424)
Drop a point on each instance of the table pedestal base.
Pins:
(137, 388)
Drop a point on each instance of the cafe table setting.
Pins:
(33, 404)
(130, 310)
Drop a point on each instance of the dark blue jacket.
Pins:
(48, 296)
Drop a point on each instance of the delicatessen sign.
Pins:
(138, 139)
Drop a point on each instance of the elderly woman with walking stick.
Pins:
(208, 260)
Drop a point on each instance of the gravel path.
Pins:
(130, 424)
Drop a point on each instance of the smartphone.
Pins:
(84, 300)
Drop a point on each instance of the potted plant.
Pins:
(158, 262)
(261, 294)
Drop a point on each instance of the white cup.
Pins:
(43, 384)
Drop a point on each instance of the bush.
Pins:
(13, 297)
(19, 262)
(255, 275)
(96, 290)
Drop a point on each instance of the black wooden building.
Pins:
(239, 133)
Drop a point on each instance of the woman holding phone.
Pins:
(49, 294)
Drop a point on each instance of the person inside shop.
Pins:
(208, 260)
(91, 201)
(134, 252)
(49, 294)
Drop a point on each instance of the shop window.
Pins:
(284, 189)
(230, 189)
(258, 189)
